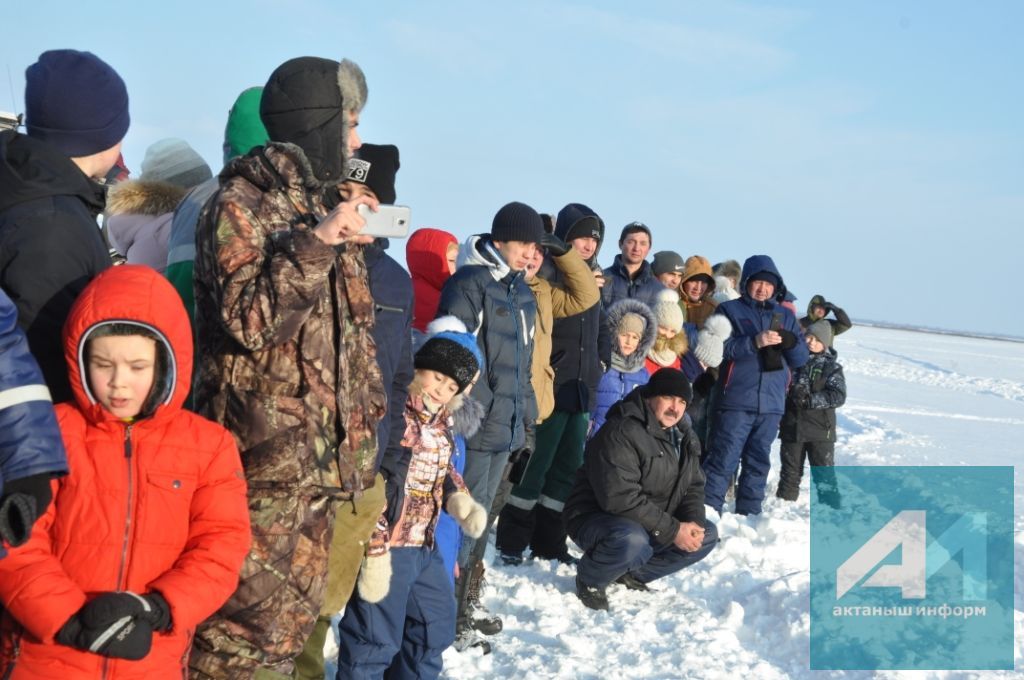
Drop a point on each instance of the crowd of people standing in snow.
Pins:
(262, 419)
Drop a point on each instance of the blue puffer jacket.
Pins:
(30, 442)
(742, 384)
(626, 373)
(618, 286)
(497, 306)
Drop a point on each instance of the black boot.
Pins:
(515, 525)
(591, 596)
(550, 541)
(631, 583)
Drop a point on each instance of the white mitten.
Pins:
(711, 340)
(470, 515)
(375, 577)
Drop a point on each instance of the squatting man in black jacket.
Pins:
(637, 507)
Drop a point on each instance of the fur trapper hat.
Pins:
(307, 102)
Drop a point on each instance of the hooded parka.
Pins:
(158, 504)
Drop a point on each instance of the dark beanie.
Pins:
(666, 262)
(633, 228)
(669, 382)
(517, 222)
(375, 166)
(452, 354)
(76, 102)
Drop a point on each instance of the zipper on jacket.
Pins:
(127, 528)
(389, 308)
(510, 298)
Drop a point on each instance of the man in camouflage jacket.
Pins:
(284, 318)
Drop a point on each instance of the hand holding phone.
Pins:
(390, 221)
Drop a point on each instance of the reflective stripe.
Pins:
(110, 632)
(24, 394)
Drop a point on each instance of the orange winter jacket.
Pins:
(159, 504)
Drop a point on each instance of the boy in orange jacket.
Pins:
(146, 535)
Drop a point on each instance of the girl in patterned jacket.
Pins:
(402, 617)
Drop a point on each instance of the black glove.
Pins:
(703, 384)
(394, 492)
(771, 358)
(112, 606)
(788, 339)
(22, 503)
(555, 246)
(127, 637)
(829, 307)
(517, 463)
(800, 395)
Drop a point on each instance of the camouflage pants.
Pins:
(280, 590)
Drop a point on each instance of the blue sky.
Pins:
(874, 149)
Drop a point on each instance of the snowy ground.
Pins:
(914, 398)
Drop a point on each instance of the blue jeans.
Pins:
(613, 546)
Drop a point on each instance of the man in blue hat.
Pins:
(76, 114)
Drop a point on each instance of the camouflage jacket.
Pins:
(283, 320)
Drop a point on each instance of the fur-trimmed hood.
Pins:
(634, 361)
(479, 250)
(140, 197)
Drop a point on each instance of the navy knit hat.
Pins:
(669, 382)
(76, 102)
(450, 350)
(375, 166)
(517, 222)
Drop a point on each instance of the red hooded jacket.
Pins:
(158, 504)
(426, 256)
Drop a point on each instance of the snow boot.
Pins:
(549, 541)
(631, 583)
(515, 526)
(466, 638)
(591, 596)
(478, 617)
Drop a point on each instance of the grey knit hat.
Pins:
(173, 161)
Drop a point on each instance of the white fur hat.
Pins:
(667, 310)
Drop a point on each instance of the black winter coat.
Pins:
(631, 470)
(579, 343)
(821, 377)
(50, 245)
(618, 285)
(495, 303)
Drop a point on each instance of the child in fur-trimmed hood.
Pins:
(403, 585)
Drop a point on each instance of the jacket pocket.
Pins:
(166, 508)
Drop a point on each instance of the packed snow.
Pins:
(913, 399)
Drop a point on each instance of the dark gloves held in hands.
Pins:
(704, 383)
(23, 502)
(771, 355)
(117, 624)
(555, 246)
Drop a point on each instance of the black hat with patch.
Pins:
(375, 165)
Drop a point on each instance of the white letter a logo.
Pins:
(907, 529)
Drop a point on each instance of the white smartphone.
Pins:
(391, 221)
